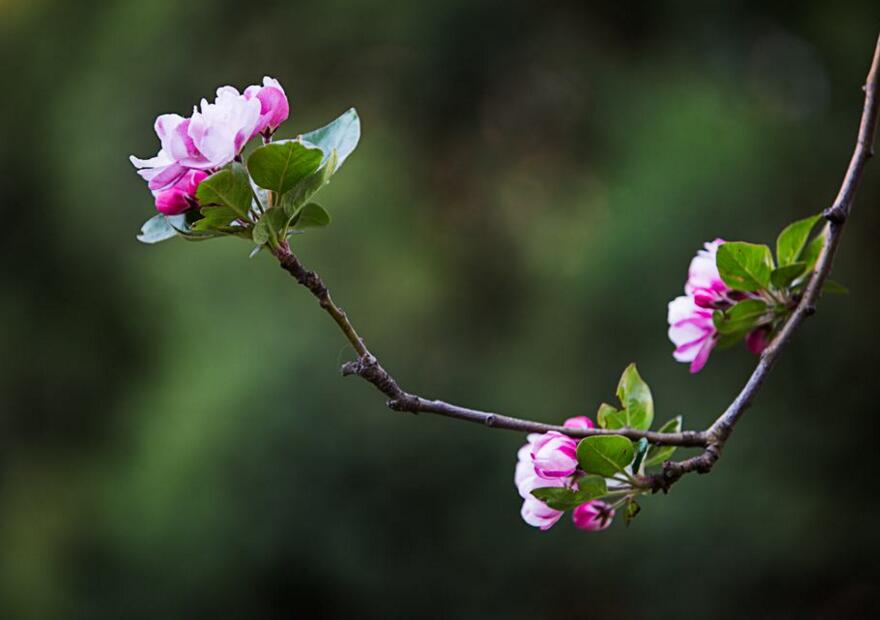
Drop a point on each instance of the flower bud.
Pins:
(180, 196)
(593, 516)
(538, 514)
(274, 107)
(581, 422)
(554, 455)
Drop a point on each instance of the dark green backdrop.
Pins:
(175, 440)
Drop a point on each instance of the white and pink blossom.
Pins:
(212, 137)
(692, 332)
(538, 514)
(554, 455)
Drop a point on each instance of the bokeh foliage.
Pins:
(532, 180)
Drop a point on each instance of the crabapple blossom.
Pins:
(211, 138)
(592, 516)
(691, 328)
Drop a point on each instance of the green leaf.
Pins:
(782, 277)
(630, 511)
(657, 454)
(311, 215)
(793, 238)
(590, 487)
(635, 397)
(341, 135)
(229, 187)
(812, 251)
(214, 218)
(744, 266)
(261, 232)
(604, 455)
(641, 449)
(280, 166)
(609, 417)
(561, 498)
(156, 229)
(740, 318)
(308, 187)
(832, 287)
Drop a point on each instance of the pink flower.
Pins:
(220, 130)
(181, 196)
(274, 107)
(554, 455)
(592, 516)
(581, 422)
(538, 514)
(704, 283)
(535, 512)
(214, 135)
(692, 332)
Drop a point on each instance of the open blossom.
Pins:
(592, 516)
(212, 137)
(692, 332)
(538, 514)
(691, 328)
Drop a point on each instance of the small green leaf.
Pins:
(657, 454)
(630, 511)
(311, 215)
(214, 218)
(641, 449)
(793, 238)
(604, 455)
(590, 487)
(261, 232)
(557, 498)
(561, 498)
(308, 187)
(740, 318)
(229, 187)
(635, 398)
(609, 417)
(744, 266)
(812, 251)
(832, 287)
(782, 277)
(280, 166)
(156, 229)
(341, 135)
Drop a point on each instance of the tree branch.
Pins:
(713, 439)
(367, 367)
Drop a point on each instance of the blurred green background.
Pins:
(533, 178)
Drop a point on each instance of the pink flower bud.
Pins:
(757, 340)
(274, 107)
(538, 514)
(593, 516)
(554, 455)
(181, 196)
(580, 422)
